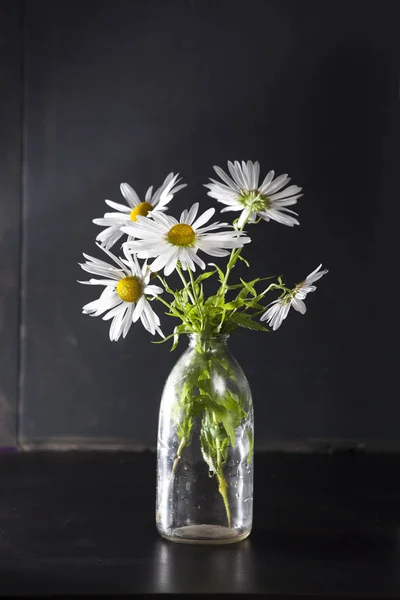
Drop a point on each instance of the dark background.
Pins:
(93, 93)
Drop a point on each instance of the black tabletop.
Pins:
(83, 523)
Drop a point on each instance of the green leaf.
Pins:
(204, 276)
(226, 419)
(220, 272)
(236, 286)
(246, 262)
(245, 320)
(233, 405)
(166, 339)
(250, 286)
(255, 305)
(178, 331)
(237, 303)
(205, 374)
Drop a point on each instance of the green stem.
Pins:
(196, 299)
(231, 263)
(222, 485)
(229, 266)
(222, 488)
(185, 283)
(177, 459)
(174, 467)
(171, 308)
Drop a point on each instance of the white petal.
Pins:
(299, 305)
(196, 259)
(148, 196)
(229, 182)
(110, 221)
(282, 314)
(114, 311)
(264, 186)
(275, 319)
(112, 256)
(107, 300)
(153, 290)
(285, 201)
(215, 251)
(150, 317)
(212, 227)
(223, 239)
(116, 325)
(171, 263)
(107, 303)
(127, 320)
(120, 207)
(278, 184)
(184, 217)
(168, 193)
(304, 290)
(109, 237)
(98, 282)
(186, 259)
(161, 260)
(192, 213)
(256, 174)
(315, 275)
(129, 194)
(108, 272)
(206, 216)
(267, 316)
(228, 201)
(222, 187)
(163, 221)
(235, 207)
(292, 190)
(138, 309)
(237, 174)
(147, 323)
(99, 262)
(279, 216)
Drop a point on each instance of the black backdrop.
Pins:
(98, 92)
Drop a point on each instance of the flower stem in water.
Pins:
(174, 467)
(222, 488)
(177, 459)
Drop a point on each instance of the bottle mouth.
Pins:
(203, 338)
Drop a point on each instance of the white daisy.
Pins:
(125, 294)
(243, 193)
(168, 241)
(152, 202)
(278, 309)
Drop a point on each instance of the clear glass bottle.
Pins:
(205, 447)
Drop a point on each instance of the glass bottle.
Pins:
(205, 447)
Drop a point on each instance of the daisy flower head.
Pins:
(169, 241)
(279, 309)
(243, 192)
(124, 299)
(153, 202)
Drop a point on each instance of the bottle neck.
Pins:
(208, 343)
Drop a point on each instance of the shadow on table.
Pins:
(287, 563)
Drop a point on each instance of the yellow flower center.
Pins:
(141, 209)
(181, 235)
(129, 289)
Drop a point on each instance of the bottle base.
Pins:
(205, 534)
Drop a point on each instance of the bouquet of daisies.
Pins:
(137, 285)
(157, 244)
